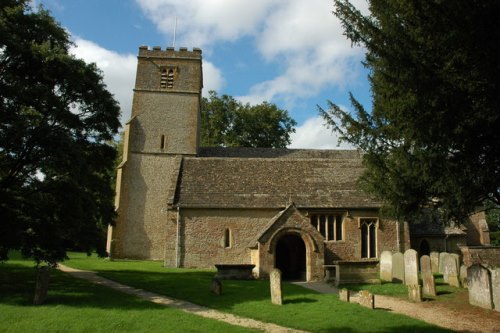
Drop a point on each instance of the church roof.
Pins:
(269, 178)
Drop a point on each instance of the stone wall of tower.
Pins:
(163, 128)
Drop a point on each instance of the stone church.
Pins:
(190, 206)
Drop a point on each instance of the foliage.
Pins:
(431, 138)
(303, 309)
(76, 305)
(229, 123)
(493, 220)
(56, 118)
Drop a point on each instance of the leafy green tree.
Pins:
(227, 122)
(431, 137)
(493, 220)
(56, 119)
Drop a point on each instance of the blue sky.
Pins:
(288, 52)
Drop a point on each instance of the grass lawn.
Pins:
(74, 305)
(303, 309)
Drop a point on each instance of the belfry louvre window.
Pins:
(329, 225)
(368, 228)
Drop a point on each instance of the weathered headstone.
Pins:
(344, 295)
(216, 286)
(276, 291)
(386, 266)
(495, 288)
(366, 299)
(398, 267)
(415, 293)
(450, 270)
(411, 267)
(434, 262)
(441, 261)
(480, 291)
(463, 276)
(428, 285)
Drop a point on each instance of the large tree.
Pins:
(56, 120)
(432, 134)
(230, 123)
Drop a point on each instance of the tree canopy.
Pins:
(56, 119)
(431, 137)
(230, 123)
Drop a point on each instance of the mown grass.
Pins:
(74, 305)
(302, 309)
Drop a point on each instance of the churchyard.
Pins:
(74, 305)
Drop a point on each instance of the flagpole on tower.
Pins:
(175, 31)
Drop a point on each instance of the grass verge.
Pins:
(303, 309)
(75, 305)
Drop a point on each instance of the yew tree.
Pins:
(56, 120)
(229, 123)
(432, 134)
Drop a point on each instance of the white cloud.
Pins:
(118, 70)
(313, 134)
(212, 78)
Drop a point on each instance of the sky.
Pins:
(288, 52)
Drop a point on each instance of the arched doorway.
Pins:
(424, 248)
(290, 257)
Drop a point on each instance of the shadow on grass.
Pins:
(299, 300)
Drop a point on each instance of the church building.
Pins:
(299, 210)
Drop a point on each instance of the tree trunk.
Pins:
(42, 285)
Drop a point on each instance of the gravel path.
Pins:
(467, 319)
(178, 304)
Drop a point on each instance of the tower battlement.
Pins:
(169, 52)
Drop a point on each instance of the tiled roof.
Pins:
(269, 178)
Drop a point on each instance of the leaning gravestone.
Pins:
(216, 286)
(275, 282)
(411, 267)
(429, 285)
(344, 295)
(366, 299)
(479, 286)
(415, 293)
(450, 270)
(435, 262)
(463, 276)
(386, 266)
(441, 261)
(398, 267)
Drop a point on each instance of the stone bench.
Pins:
(234, 272)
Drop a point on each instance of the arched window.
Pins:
(368, 228)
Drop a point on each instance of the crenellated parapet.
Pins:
(169, 52)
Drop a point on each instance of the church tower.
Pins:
(164, 127)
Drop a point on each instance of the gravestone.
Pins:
(450, 270)
(441, 261)
(216, 286)
(434, 262)
(414, 293)
(366, 299)
(495, 288)
(411, 267)
(463, 275)
(344, 295)
(386, 266)
(275, 282)
(398, 267)
(480, 291)
(428, 285)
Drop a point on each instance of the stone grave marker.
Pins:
(386, 266)
(480, 291)
(463, 276)
(398, 267)
(411, 267)
(435, 262)
(276, 291)
(415, 292)
(450, 270)
(429, 285)
(441, 261)
(216, 286)
(366, 299)
(344, 295)
(495, 286)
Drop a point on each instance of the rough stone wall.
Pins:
(202, 235)
(483, 255)
(477, 230)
